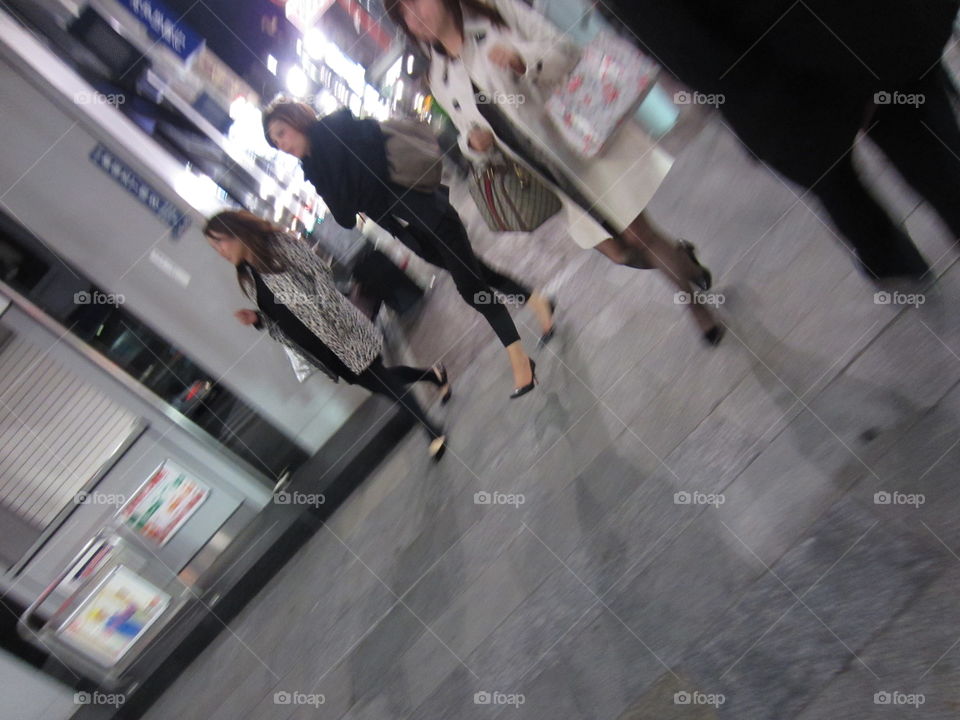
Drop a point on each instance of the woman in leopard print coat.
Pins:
(301, 308)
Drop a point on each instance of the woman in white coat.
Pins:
(493, 67)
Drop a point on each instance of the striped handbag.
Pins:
(510, 199)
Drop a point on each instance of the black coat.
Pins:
(798, 76)
(348, 168)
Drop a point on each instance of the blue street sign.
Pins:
(140, 189)
(164, 26)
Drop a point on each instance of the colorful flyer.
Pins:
(114, 616)
(163, 503)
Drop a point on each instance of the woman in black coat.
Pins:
(800, 79)
(346, 161)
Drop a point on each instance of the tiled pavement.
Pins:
(601, 596)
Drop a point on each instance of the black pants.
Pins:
(446, 245)
(392, 382)
(922, 141)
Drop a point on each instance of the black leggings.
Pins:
(449, 247)
(392, 382)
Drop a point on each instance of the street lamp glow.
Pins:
(297, 82)
(272, 64)
(315, 43)
(327, 103)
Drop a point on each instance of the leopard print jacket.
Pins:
(307, 288)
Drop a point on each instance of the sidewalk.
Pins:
(615, 585)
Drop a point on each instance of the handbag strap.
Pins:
(490, 196)
(516, 212)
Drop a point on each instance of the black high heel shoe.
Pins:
(705, 281)
(548, 335)
(444, 382)
(521, 391)
(714, 335)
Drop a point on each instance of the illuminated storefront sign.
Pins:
(305, 13)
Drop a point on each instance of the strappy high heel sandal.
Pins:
(443, 383)
(705, 281)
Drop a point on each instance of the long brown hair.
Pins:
(257, 234)
(457, 8)
(297, 115)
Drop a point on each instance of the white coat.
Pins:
(619, 182)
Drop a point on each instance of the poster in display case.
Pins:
(163, 503)
(114, 616)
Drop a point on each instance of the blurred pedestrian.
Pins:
(493, 67)
(391, 172)
(301, 308)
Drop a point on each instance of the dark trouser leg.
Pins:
(808, 135)
(923, 142)
(448, 246)
(381, 380)
(884, 249)
(410, 375)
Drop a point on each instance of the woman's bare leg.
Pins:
(520, 363)
(642, 245)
